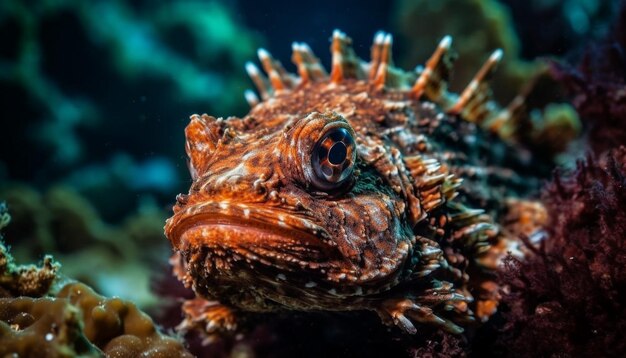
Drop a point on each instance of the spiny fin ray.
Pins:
(251, 97)
(508, 121)
(433, 81)
(277, 74)
(259, 80)
(475, 103)
(345, 63)
(376, 53)
(385, 61)
(309, 66)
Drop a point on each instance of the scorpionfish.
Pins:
(369, 188)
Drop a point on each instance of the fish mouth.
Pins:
(251, 239)
(245, 254)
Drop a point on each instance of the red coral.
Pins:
(569, 297)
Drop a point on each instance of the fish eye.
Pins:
(333, 158)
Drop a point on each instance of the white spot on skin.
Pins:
(281, 277)
(200, 146)
(223, 205)
(246, 213)
(310, 284)
(281, 221)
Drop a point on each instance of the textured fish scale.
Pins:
(415, 237)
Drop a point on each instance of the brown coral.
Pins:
(42, 327)
(36, 321)
(79, 321)
(118, 327)
(61, 222)
(28, 280)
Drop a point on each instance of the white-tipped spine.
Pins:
(251, 69)
(305, 47)
(379, 38)
(446, 42)
(251, 97)
(496, 56)
(257, 79)
(263, 54)
(388, 40)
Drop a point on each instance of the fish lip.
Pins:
(246, 222)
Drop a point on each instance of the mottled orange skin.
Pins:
(256, 234)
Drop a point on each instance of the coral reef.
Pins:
(81, 70)
(568, 298)
(61, 222)
(37, 319)
(23, 280)
(42, 327)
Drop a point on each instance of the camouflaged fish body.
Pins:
(345, 191)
